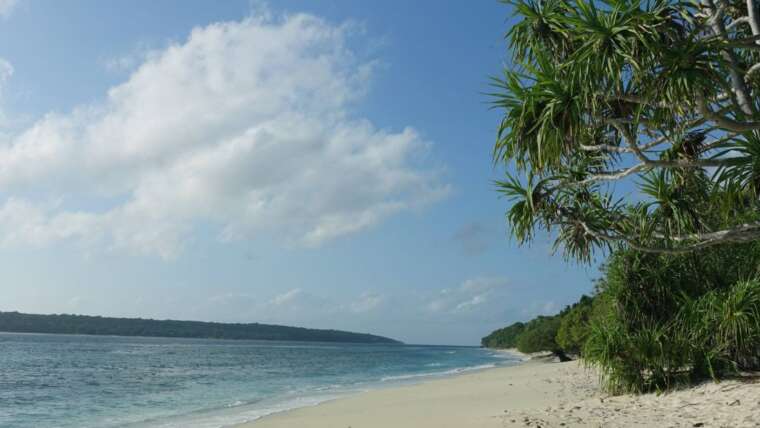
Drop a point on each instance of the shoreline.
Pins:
(512, 358)
(534, 393)
(476, 399)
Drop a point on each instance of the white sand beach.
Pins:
(533, 394)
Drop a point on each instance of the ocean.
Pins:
(104, 381)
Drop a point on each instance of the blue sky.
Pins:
(323, 164)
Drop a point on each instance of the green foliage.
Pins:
(665, 320)
(633, 91)
(724, 327)
(574, 327)
(561, 333)
(504, 338)
(539, 335)
(81, 324)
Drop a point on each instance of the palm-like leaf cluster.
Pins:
(661, 94)
(669, 320)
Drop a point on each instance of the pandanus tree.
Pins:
(631, 123)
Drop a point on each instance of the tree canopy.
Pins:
(562, 333)
(540, 335)
(82, 324)
(632, 123)
(504, 338)
(574, 325)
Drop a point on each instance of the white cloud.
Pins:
(471, 303)
(459, 314)
(287, 297)
(76, 302)
(6, 71)
(470, 294)
(247, 126)
(296, 306)
(366, 303)
(6, 7)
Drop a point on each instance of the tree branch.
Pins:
(604, 148)
(613, 175)
(722, 121)
(678, 163)
(737, 21)
(741, 233)
(737, 81)
(738, 234)
(718, 142)
(752, 70)
(637, 99)
(752, 18)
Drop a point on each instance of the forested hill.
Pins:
(80, 324)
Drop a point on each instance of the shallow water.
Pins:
(102, 381)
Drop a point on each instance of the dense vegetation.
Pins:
(561, 334)
(657, 321)
(541, 335)
(574, 328)
(667, 320)
(504, 338)
(631, 129)
(81, 324)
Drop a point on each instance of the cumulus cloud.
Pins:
(471, 294)
(246, 126)
(470, 303)
(6, 71)
(295, 306)
(7, 6)
(287, 297)
(366, 303)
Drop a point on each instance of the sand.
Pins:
(535, 394)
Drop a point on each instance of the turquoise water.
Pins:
(101, 381)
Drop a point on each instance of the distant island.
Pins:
(16, 322)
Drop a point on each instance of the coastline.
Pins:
(474, 399)
(535, 393)
(512, 358)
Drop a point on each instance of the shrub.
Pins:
(574, 326)
(504, 337)
(540, 335)
(562, 333)
(664, 320)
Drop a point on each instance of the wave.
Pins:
(438, 374)
(242, 412)
(238, 412)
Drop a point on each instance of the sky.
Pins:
(321, 164)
